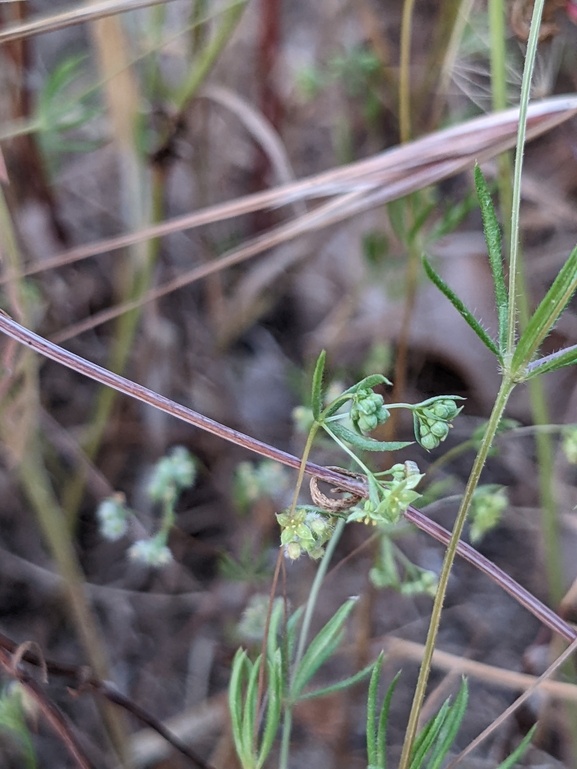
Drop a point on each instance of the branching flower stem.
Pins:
(498, 409)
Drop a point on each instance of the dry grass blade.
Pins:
(411, 166)
(356, 188)
(539, 683)
(503, 679)
(77, 15)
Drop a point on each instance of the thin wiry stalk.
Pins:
(98, 374)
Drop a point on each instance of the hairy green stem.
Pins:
(310, 607)
(505, 390)
(516, 201)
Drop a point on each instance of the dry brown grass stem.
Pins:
(77, 15)
(493, 676)
(354, 188)
(419, 519)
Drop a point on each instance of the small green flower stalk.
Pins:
(170, 477)
(487, 507)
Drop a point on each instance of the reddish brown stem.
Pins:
(123, 385)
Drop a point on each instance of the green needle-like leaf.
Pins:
(546, 315)
(372, 711)
(317, 389)
(493, 240)
(426, 738)
(362, 442)
(552, 362)
(320, 648)
(465, 313)
(511, 760)
(340, 685)
(383, 722)
(450, 728)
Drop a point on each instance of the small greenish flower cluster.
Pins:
(488, 505)
(569, 444)
(306, 531)
(388, 500)
(385, 573)
(252, 625)
(152, 552)
(367, 410)
(171, 475)
(424, 583)
(253, 482)
(432, 420)
(113, 515)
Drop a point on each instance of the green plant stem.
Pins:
(311, 603)
(405, 72)
(499, 98)
(520, 148)
(505, 390)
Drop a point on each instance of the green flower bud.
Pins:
(293, 551)
(367, 424)
(445, 409)
(429, 442)
(440, 430)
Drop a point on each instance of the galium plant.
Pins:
(170, 477)
(303, 529)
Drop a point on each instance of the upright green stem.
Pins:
(505, 390)
(516, 202)
(499, 97)
(405, 72)
(311, 603)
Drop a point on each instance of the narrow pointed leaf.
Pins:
(567, 357)
(511, 760)
(450, 728)
(273, 710)
(320, 648)
(361, 441)
(317, 388)
(372, 710)
(547, 314)
(493, 240)
(340, 685)
(427, 737)
(368, 383)
(465, 313)
(383, 723)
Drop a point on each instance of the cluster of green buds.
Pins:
(112, 515)
(171, 475)
(388, 499)
(151, 552)
(432, 420)
(368, 410)
(488, 505)
(386, 574)
(306, 531)
(253, 482)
